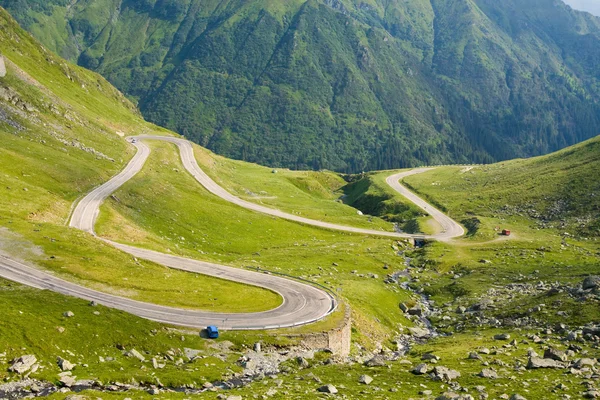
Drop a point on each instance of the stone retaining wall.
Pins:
(337, 340)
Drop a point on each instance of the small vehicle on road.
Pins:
(213, 332)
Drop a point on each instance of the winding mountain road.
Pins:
(302, 303)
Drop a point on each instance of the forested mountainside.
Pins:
(343, 84)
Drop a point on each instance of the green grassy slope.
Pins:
(312, 194)
(550, 205)
(165, 209)
(61, 128)
(345, 85)
(559, 191)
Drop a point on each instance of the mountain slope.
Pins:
(341, 84)
(560, 190)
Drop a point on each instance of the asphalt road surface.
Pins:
(302, 303)
(450, 228)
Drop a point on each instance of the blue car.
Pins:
(213, 332)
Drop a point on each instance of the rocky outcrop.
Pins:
(23, 364)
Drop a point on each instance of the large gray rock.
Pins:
(591, 282)
(2, 67)
(555, 354)
(377, 361)
(536, 362)
(445, 374)
(23, 364)
(488, 373)
(419, 333)
(365, 379)
(584, 362)
(67, 381)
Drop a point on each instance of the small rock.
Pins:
(502, 336)
(420, 369)
(429, 357)
(517, 397)
(302, 363)
(328, 389)
(68, 314)
(65, 365)
(137, 354)
(365, 379)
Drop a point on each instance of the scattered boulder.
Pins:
(454, 396)
(474, 356)
(591, 282)
(328, 389)
(536, 362)
(302, 363)
(68, 314)
(555, 354)
(65, 365)
(445, 374)
(429, 357)
(137, 354)
(23, 364)
(517, 397)
(67, 381)
(420, 369)
(502, 336)
(419, 333)
(415, 311)
(488, 373)
(584, 362)
(377, 361)
(404, 307)
(365, 379)
(257, 347)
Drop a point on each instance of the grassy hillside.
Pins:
(165, 209)
(343, 85)
(560, 191)
(62, 131)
